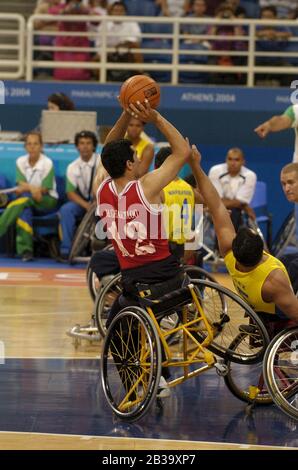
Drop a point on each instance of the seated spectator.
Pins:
(235, 184)
(71, 7)
(272, 39)
(36, 191)
(79, 181)
(125, 34)
(284, 8)
(174, 7)
(198, 10)
(225, 11)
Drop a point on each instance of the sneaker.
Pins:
(163, 390)
(27, 256)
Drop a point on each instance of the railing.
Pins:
(182, 56)
(12, 44)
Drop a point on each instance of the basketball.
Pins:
(140, 88)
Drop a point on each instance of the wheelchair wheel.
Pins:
(92, 282)
(228, 316)
(281, 370)
(105, 300)
(195, 272)
(131, 363)
(83, 234)
(284, 235)
(245, 381)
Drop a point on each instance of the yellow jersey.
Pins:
(178, 212)
(140, 147)
(249, 284)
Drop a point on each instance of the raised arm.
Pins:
(224, 228)
(119, 129)
(156, 180)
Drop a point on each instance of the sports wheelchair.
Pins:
(280, 369)
(210, 318)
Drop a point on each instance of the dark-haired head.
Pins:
(248, 247)
(161, 156)
(115, 155)
(61, 102)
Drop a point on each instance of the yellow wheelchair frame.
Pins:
(132, 356)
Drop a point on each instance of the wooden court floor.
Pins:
(35, 313)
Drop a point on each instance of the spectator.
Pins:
(60, 102)
(79, 180)
(235, 184)
(71, 7)
(284, 8)
(225, 11)
(272, 39)
(174, 7)
(198, 11)
(36, 191)
(121, 34)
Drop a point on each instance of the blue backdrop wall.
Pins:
(213, 118)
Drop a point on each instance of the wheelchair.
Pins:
(285, 236)
(249, 384)
(211, 316)
(280, 369)
(113, 287)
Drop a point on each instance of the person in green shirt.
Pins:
(36, 191)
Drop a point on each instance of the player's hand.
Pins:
(263, 130)
(36, 193)
(143, 111)
(195, 156)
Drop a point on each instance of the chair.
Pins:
(259, 205)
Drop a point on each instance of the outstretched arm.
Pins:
(221, 219)
(275, 124)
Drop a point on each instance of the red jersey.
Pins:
(134, 226)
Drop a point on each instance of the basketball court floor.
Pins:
(50, 391)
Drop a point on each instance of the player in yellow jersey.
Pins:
(141, 143)
(179, 200)
(260, 279)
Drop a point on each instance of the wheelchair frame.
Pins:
(131, 391)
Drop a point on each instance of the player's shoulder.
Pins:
(218, 170)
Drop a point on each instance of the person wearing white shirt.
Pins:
(126, 33)
(36, 191)
(79, 180)
(235, 184)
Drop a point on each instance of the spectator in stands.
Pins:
(36, 191)
(174, 7)
(289, 182)
(226, 11)
(79, 181)
(235, 184)
(198, 10)
(238, 10)
(125, 34)
(271, 39)
(71, 7)
(44, 40)
(284, 8)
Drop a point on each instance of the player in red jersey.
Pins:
(129, 207)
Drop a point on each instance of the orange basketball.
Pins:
(140, 88)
